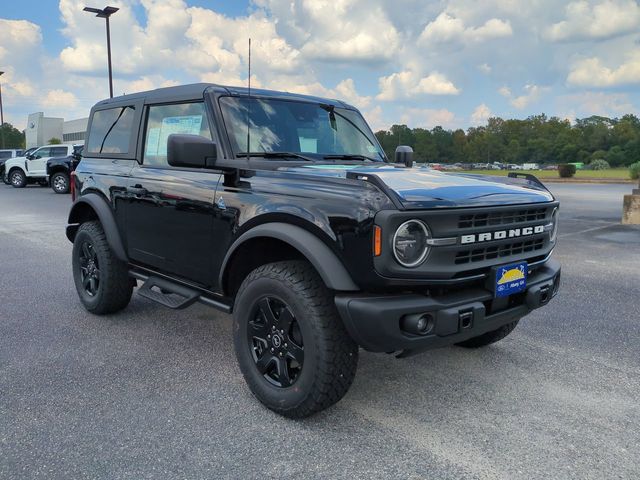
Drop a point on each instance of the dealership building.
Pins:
(41, 129)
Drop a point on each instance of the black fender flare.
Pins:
(327, 264)
(105, 215)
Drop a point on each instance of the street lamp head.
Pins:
(1, 73)
(106, 12)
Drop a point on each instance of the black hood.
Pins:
(424, 188)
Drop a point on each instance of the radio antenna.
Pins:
(249, 105)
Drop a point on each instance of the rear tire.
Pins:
(17, 179)
(60, 182)
(101, 279)
(489, 337)
(290, 342)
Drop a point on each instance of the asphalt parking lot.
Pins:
(155, 393)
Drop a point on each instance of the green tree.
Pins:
(54, 141)
(11, 137)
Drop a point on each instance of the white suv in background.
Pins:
(33, 168)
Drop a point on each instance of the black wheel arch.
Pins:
(93, 206)
(299, 243)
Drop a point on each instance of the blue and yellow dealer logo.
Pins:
(512, 275)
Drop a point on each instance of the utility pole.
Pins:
(105, 13)
(1, 116)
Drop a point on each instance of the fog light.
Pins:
(417, 323)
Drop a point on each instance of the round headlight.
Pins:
(410, 243)
(554, 225)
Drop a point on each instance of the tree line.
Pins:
(537, 139)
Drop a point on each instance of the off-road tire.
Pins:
(17, 179)
(58, 180)
(330, 355)
(114, 286)
(489, 337)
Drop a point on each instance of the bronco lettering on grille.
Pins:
(501, 234)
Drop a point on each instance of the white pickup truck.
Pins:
(20, 171)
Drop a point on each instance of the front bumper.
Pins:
(374, 321)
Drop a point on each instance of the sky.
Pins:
(452, 63)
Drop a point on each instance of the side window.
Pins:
(163, 120)
(42, 152)
(59, 151)
(111, 130)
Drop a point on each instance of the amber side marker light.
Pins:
(377, 241)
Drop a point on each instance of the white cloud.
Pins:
(480, 115)
(447, 28)
(59, 99)
(603, 20)
(485, 68)
(353, 31)
(408, 84)
(429, 118)
(532, 94)
(595, 103)
(346, 90)
(591, 72)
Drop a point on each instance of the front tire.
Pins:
(489, 337)
(17, 179)
(102, 280)
(60, 182)
(291, 345)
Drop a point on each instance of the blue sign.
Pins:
(511, 279)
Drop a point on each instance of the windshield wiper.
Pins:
(276, 155)
(349, 156)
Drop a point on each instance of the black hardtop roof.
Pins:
(196, 91)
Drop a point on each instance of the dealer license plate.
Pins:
(511, 279)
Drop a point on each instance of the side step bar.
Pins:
(172, 294)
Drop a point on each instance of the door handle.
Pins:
(137, 190)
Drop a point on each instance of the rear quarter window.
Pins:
(111, 130)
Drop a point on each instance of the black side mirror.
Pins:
(29, 157)
(404, 154)
(190, 151)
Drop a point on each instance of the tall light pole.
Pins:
(105, 13)
(1, 115)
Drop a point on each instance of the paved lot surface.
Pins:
(153, 393)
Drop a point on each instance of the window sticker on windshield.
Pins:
(309, 145)
(189, 124)
(153, 138)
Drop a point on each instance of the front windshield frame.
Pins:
(334, 109)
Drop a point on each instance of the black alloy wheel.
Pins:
(89, 269)
(275, 341)
(292, 347)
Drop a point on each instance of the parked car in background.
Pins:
(530, 166)
(550, 167)
(5, 155)
(59, 170)
(32, 168)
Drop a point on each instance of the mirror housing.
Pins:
(404, 154)
(190, 151)
(29, 157)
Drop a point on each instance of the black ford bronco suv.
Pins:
(284, 210)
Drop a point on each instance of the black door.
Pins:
(170, 210)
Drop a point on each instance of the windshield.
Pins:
(298, 127)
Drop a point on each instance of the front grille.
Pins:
(498, 251)
(502, 218)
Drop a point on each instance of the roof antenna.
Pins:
(249, 105)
